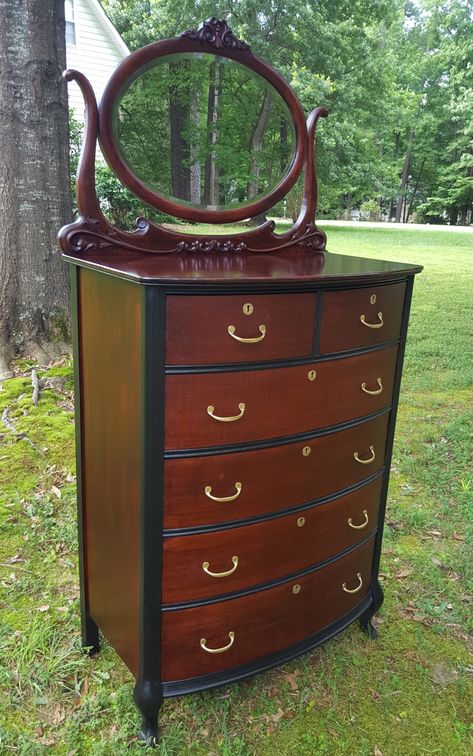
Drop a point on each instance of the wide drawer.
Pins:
(240, 630)
(227, 408)
(223, 487)
(238, 328)
(361, 317)
(225, 561)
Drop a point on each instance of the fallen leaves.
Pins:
(442, 674)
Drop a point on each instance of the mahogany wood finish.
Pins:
(294, 484)
(110, 402)
(300, 540)
(289, 320)
(380, 306)
(271, 479)
(263, 622)
(278, 402)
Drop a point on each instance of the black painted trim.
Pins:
(271, 583)
(152, 478)
(275, 441)
(391, 429)
(231, 367)
(89, 629)
(204, 682)
(274, 515)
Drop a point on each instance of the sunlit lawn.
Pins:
(410, 692)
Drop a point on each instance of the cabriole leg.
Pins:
(366, 618)
(148, 698)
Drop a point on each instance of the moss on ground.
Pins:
(408, 693)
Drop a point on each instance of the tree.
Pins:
(34, 180)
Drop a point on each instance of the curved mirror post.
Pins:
(204, 131)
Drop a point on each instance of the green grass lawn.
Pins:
(409, 692)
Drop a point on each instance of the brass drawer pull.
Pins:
(373, 325)
(363, 524)
(231, 419)
(254, 340)
(376, 391)
(358, 587)
(208, 492)
(365, 461)
(203, 642)
(206, 565)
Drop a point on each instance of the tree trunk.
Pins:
(179, 115)
(195, 168)
(404, 177)
(34, 180)
(211, 194)
(416, 187)
(256, 143)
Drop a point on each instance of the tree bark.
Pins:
(256, 143)
(211, 192)
(404, 177)
(35, 196)
(179, 115)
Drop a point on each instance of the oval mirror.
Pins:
(204, 132)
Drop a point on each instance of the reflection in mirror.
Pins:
(204, 130)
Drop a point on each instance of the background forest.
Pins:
(396, 76)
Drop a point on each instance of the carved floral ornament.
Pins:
(217, 33)
(92, 231)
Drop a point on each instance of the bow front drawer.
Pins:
(219, 488)
(213, 637)
(227, 408)
(220, 329)
(361, 317)
(206, 565)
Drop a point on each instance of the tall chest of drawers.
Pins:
(234, 443)
(236, 395)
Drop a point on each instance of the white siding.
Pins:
(96, 54)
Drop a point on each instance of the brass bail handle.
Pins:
(373, 392)
(206, 565)
(358, 587)
(372, 325)
(203, 644)
(231, 418)
(365, 461)
(208, 492)
(253, 340)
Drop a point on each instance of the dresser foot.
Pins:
(90, 635)
(148, 699)
(368, 627)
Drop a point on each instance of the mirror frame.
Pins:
(213, 37)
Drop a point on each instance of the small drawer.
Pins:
(223, 487)
(213, 637)
(361, 317)
(240, 406)
(238, 328)
(226, 561)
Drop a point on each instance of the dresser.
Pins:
(235, 422)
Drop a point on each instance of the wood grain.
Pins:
(299, 540)
(263, 622)
(110, 326)
(278, 402)
(272, 479)
(341, 327)
(197, 328)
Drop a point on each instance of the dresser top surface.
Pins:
(293, 267)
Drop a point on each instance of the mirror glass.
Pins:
(204, 131)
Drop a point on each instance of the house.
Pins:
(93, 46)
